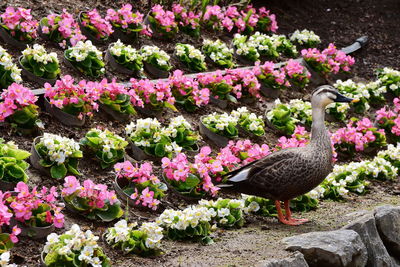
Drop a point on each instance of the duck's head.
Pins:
(326, 94)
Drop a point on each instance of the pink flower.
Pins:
(58, 220)
(71, 184)
(13, 236)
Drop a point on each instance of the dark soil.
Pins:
(335, 21)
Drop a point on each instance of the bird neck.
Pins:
(319, 134)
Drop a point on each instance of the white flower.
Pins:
(253, 206)
(223, 212)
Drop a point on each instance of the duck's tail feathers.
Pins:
(236, 176)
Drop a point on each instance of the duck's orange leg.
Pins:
(284, 219)
(288, 215)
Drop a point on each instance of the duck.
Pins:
(291, 172)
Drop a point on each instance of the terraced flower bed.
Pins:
(130, 116)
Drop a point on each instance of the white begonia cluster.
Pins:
(304, 37)
(40, 54)
(301, 110)
(140, 131)
(357, 171)
(148, 51)
(221, 121)
(353, 90)
(261, 41)
(193, 52)
(154, 234)
(108, 140)
(316, 193)
(59, 147)
(182, 219)
(392, 152)
(277, 41)
(222, 213)
(7, 63)
(5, 259)
(176, 123)
(244, 46)
(117, 48)
(82, 49)
(376, 88)
(222, 49)
(121, 233)
(84, 242)
(257, 121)
(388, 74)
(252, 206)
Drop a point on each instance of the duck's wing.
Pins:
(267, 173)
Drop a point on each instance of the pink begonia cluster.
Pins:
(179, 168)
(14, 98)
(241, 153)
(244, 82)
(294, 70)
(146, 90)
(272, 76)
(331, 59)
(5, 217)
(300, 138)
(139, 174)
(390, 118)
(66, 92)
(127, 19)
(213, 16)
(96, 194)
(358, 135)
(103, 27)
(67, 26)
(213, 79)
(248, 17)
(20, 20)
(186, 19)
(164, 18)
(26, 202)
(188, 87)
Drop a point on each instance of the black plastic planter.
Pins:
(149, 112)
(316, 78)
(270, 92)
(218, 102)
(243, 59)
(219, 140)
(63, 117)
(88, 34)
(154, 72)
(7, 186)
(118, 116)
(139, 154)
(35, 158)
(7, 38)
(180, 194)
(126, 38)
(32, 77)
(116, 66)
(119, 183)
(32, 231)
(192, 152)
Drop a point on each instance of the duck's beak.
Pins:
(341, 98)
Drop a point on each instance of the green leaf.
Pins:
(160, 150)
(58, 171)
(113, 212)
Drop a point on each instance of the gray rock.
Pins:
(334, 248)
(377, 253)
(387, 220)
(295, 260)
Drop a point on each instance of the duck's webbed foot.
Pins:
(287, 219)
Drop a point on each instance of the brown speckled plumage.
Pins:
(291, 172)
